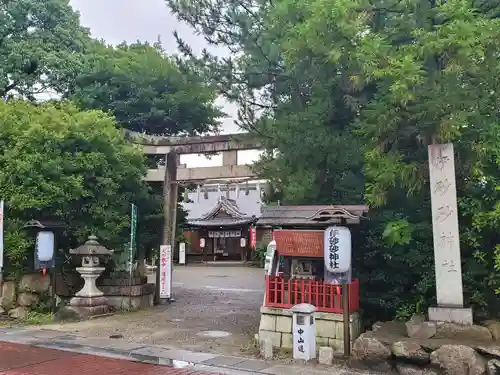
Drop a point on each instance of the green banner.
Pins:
(133, 232)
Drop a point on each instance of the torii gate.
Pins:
(173, 173)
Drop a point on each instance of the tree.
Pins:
(41, 47)
(336, 88)
(60, 163)
(146, 90)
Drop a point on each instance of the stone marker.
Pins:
(446, 240)
(266, 348)
(325, 356)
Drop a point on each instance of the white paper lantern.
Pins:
(45, 246)
(337, 249)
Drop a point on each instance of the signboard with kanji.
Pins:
(253, 238)
(299, 243)
(1, 239)
(165, 271)
(133, 235)
(337, 249)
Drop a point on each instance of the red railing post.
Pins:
(283, 293)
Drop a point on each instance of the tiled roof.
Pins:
(227, 205)
(310, 215)
(220, 222)
(247, 201)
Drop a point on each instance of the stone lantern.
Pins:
(90, 301)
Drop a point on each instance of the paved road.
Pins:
(223, 299)
(18, 359)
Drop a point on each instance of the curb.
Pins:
(129, 356)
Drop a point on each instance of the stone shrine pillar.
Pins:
(446, 237)
(170, 191)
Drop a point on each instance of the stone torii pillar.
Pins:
(170, 192)
(450, 300)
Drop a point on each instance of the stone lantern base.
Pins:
(89, 301)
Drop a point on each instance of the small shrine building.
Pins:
(299, 275)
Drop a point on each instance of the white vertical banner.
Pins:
(182, 253)
(1, 246)
(1, 236)
(165, 271)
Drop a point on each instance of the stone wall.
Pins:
(19, 297)
(433, 349)
(129, 298)
(121, 295)
(276, 325)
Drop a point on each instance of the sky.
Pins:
(130, 20)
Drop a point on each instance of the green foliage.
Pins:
(37, 318)
(41, 46)
(145, 90)
(18, 248)
(259, 254)
(398, 232)
(345, 97)
(62, 164)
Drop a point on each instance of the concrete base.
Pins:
(70, 313)
(128, 298)
(126, 303)
(85, 307)
(459, 315)
(276, 326)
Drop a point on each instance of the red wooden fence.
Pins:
(284, 294)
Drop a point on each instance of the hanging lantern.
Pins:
(45, 246)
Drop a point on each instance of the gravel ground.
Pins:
(208, 298)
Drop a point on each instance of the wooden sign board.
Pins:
(299, 243)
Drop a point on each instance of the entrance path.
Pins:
(223, 299)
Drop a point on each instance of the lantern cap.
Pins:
(91, 247)
(43, 224)
(303, 308)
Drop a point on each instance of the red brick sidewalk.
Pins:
(18, 359)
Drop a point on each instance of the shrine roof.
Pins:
(315, 215)
(221, 222)
(201, 202)
(229, 207)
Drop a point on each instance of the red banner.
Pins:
(253, 238)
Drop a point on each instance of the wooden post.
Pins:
(347, 320)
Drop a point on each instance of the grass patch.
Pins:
(38, 318)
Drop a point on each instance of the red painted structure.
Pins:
(284, 294)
